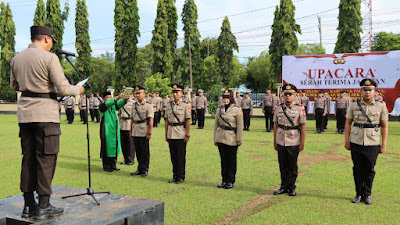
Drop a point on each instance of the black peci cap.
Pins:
(106, 93)
(42, 30)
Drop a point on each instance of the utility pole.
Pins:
(190, 64)
(208, 47)
(320, 30)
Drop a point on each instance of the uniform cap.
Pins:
(267, 88)
(42, 30)
(368, 84)
(289, 88)
(226, 94)
(321, 91)
(303, 91)
(165, 94)
(106, 93)
(200, 91)
(342, 91)
(139, 89)
(177, 87)
(222, 89)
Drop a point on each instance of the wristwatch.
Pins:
(188, 136)
(149, 134)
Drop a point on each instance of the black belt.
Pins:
(283, 127)
(127, 118)
(362, 125)
(39, 95)
(177, 124)
(227, 128)
(140, 121)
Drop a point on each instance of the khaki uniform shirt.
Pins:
(247, 103)
(165, 103)
(320, 103)
(70, 103)
(193, 103)
(234, 116)
(91, 99)
(185, 100)
(146, 111)
(96, 103)
(238, 101)
(147, 99)
(377, 112)
(39, 71)
(378, 98)
(82, 103)
(328, 103)
(298, 115)
(156, 103)
(305, 100)
(297, 100)
(182, 111)
(201, 102)
(341, 103)
(268, 100)
(276, 103)
(125, 115)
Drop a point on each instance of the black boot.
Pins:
(46, 210)
(30, 205)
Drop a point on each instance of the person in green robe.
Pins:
(109, 130)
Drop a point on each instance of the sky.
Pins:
(250, 20)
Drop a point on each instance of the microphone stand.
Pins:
(90, 190)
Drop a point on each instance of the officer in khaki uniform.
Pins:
(83, 108)
(37, 73)
(267, 106)
(342, 103)
(238, 99)
(201, 107)
(96, 104)
(177, 132)
(320, 110)
(127, 146)
(289, 138)
(165, 102)
(142, 124)
(91, 111)
(364, 138)
(69, 105)
(228, 132)
(193, 106)
(155, 101)
(304, 100)
(247, 107)
(328, 105)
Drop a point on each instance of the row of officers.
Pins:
(366, 122)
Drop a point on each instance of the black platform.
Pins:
(114, 209)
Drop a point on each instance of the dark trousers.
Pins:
(142, 149)
(127, 146)
(319, 118)
(70, 115)
(40, 144)
(194, 116)
(340, 118)
(306, 109)
(200, 117)
(109, 163)
(269, 117)
(91, 114)
(287, 157)
(364, 160)
(84, 114)
(156, 118)
(325, 121)
(228, 156)
(159, 117)
(246, 118)
(96, 114)
(81, 114)
(177, 149)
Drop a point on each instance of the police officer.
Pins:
(125, 117)
(37, 73)
(238, 99)
(289, 138)
(320, 110)
(80, 106)
(228, 130)
(83, 108)
(201, 108)
(70, 109)
(142, 125)
(96, 103)
(91, 111)
(193, 106)
(364, 138)
(177, 132)
(342, 103)
(165, 102)
(328, 105)
(247, 107)
(304, 100)
(267, 106)
(186, 97)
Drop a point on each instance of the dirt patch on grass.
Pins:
(264, 201)
(259, 157)
(263, 143)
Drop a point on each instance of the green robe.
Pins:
(110, 121)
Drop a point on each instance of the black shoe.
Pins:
(292, 193)
(122, 163)
(228, 185)
(116, 169)
(222, 185)
(49, 212)
(338, 132)
(173, 180)
(198, 127)
(29, 211)
(356, 199)
(144, 174)
(280, 191)
(129, 163)
(136, 173)
(266, 131)
(179, 181)
(316, 132)
(368, 200)
(109, 170)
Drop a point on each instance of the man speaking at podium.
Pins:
(37, 73)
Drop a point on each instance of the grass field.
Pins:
(325, 184)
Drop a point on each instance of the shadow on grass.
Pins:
(321, 196)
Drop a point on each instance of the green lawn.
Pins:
(325, 185)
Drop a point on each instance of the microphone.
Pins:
(60, 51)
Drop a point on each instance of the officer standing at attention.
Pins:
(155, 102)
(201, 106)
(142, 125)
(341, 106)
(165, 102)
(267, 108)
(289, 138)
(84, 108)
(80, 106)
(193, 106)
(177, 133)
(37, 73)
(70, 109)
(364, 138)
(91, 111)
(96, 103)
(304, 100)
(247, 107)
(128, 150)
(320, 110)
(238, 99)
(228, 132)
(328, 105)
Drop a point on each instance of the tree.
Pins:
(310, 49)
(283, 38)
(350, 20)
(259, 76)
(226, 44)
(172, 21)
(7, 45)
(163, 60)
(157, 83)
(145, 61)
(126, 22)
(208, 47)
(82, 43)
(189, 20)
(40, 14)
(384, 41)
(55, 20)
